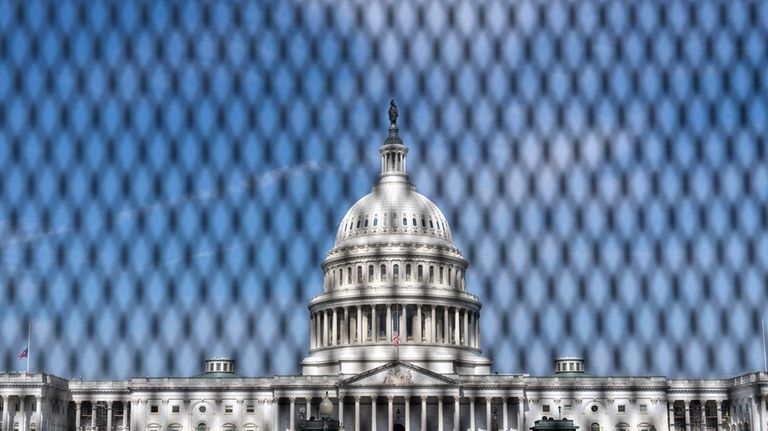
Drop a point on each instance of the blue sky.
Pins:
(173, 175)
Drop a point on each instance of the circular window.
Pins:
(594, 409)
(201, 409)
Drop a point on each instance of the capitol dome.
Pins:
(394, 284)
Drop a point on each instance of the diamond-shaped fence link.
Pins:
(172, 174)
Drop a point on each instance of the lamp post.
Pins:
(326, 409)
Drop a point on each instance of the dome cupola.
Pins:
(394, 271)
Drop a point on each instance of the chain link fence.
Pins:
(172, 174)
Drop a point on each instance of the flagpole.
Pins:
(29, 339)
(765, 355)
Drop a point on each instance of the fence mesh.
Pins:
(173, 174)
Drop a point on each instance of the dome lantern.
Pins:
(393, 152)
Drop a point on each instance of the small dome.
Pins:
(392, 210)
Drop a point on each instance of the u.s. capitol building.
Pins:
(393, 273)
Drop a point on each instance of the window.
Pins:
(405, 221)
(441, 275)
(341, 276)
(594, 427)
(375, 222)
(423, 223)
(359, 274)
(545, 408)
(366, 223)
(358, 223)
(228, 409)
(349, 275)
(396, 272)
(408, 272)
(449, 276)
(643, 408)
(431, 225)
(622, 427)
(201, 426)
(383, 270)
(567, 407)
(201, 410)
(250, 408)
(594, 409)
(421, 273)
(175, 409)
(431, 274)
(370, 273)
(153, 408)
(622, 408)
(414, 222)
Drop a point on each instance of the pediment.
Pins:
(398, 374)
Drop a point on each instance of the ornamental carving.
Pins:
(398, 377)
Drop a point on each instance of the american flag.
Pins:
(24, 353)
(396, 339)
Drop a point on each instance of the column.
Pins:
(433, 326)
(407, 413)
(388, 329)
(93, 415)
(311, 331)
(472, 414)
(345, 327)
(456, 411)
(125, 416)
(703, 404)
(325, 328)
(440, 413)
(374, 324)
(402, 326)
(334, 327)
(77, 415)
(357, 410)
(719, 405)
(687, 415)
(445, 325)
(456, 330)
(423, 413)
(488, 418)
(276, 401)
(671, 414)
(109, 415)
(4, 422)
(39, 413)
(292, 414)
(23, 413)
(504, 414)
(466, 328)
(417, 333)
(341, 409)
(373, 413)
(359, 325)
(520, 415)
(309, 409)
(470, 325)
(390, 424)
(477, 330)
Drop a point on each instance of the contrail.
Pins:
(201, 196)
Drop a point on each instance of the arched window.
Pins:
(359, 274)
(414, 221)
(383, 271)
(423, 223)
(420, 274)
(341, 276)
(431, 225)
(375, 222)
(431, 274)
(441, 275)
(408, 272)
(405, 221)
(366, 223)
(622, 427)
(370, 273)
(594, 427)
(449, 276)
(395, 272)
(201, 427)
(349, 275)
(358, 223)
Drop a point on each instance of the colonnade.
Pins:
(697, 414)
(510, 416)
(89, 412)
(414, 323)
(421, 273)
(32, 412)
